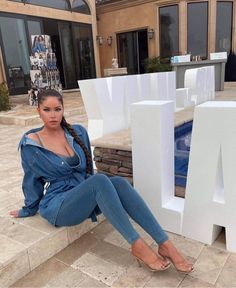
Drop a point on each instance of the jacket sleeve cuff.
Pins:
(23, 213)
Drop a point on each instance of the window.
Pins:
(224, 26)
(58, 4)
(16, 52)
(83, 40)
(197, 29)
(71, 42)
(169, 31)
(80, 6)
(133, 50)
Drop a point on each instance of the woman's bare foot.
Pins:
(143, 253)
(168, 250)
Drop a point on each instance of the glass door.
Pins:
(15, 53)
(84, 54)
(68, 59)
(133, 50)
(34, 27)
(142, 43)
(71, 42)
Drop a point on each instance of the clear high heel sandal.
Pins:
(178, 265)
(141, 262)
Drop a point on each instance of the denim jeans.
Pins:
(117, 199)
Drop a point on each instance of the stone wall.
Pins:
(114, 162)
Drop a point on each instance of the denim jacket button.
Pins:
(62, 163)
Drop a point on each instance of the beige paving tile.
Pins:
(92, 283)
(8, 200)
(115, 238)
(16, 190)
(19, 232)
(4, 212)
(112, 253)
(9, 249)
(3, 192)
(134, 276)
(209, 264)
(168, 278)
(47, 247)
(38, 223)
(75, 232)
(220, 242)
(188, 247)
(4, 184)
(42, 274)
(227, 276)
(14, 270)
(190, 282)
(102, 230)
(75, 250)
(68, 278)
(98, 268)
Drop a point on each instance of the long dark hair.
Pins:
(43, 95)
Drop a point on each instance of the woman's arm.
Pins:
(32, 187)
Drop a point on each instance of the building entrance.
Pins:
(133, 50)
(71, 42)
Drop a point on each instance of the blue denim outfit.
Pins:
(39, 47)
(65, 196)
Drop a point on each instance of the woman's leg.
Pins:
(81, 201)
(99, 190)
(138, 209)
(140, 213)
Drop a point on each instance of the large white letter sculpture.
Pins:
(211, 186)
(201, 83)
(103, 100)
(152, 124)
(107, 100)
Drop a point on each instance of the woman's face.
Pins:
(40, 38)
(51, 112)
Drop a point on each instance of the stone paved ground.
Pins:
(100, 258)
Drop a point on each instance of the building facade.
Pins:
(142, 29)
(85, 36)
(72, 27)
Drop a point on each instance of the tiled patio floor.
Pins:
(23, 114)
(100, 258)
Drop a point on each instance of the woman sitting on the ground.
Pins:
(60, 182)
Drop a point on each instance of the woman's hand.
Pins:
(14, 213)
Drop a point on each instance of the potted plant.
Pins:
(157, 64)
(4, 97)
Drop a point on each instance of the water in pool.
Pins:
(182, 147)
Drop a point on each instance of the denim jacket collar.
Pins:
(27, 141)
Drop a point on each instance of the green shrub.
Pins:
(4, 97)
(157, 64)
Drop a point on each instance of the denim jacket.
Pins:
(48, 178)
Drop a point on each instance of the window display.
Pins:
(44, 73)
